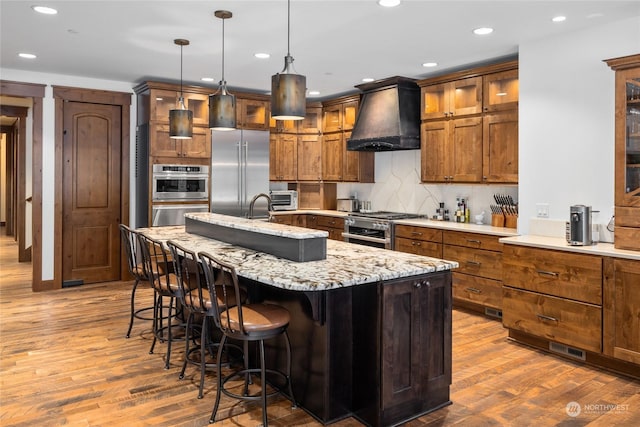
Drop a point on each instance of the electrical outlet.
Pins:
(542, 210)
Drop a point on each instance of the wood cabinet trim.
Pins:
(470, 72)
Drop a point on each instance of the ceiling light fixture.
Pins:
(288, 98)
(262, 55)
(389, 3)
(222, 104)
(483, 31)
(207, 79)
(368, 79)
(559, 18)
(314, 93)
(181, 119)
(27, 55)
(45, 10)
(430, 64)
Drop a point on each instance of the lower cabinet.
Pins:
(413, 332)
(333, 225)
(621, 334)
(418, 240)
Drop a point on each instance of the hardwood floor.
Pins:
(65, 361)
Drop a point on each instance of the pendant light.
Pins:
(222, 104)
(288, 101)
(181, 119)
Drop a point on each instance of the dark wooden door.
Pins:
(91, 193)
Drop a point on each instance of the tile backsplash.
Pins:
(398, 188)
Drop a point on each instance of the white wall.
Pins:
(48, 143)
(566, 121)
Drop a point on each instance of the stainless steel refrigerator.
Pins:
(239, 171)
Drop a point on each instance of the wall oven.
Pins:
(372, 228)
(180, 183)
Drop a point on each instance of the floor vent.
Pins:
(493, 312)
(567, 351)
(72, 283)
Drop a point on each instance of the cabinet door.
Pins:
(351, 161)
(465, 96)
(332, 118)
(501, 91)
(162, 101)
(433, 152)
(332, 156)
(253, 114)
(628, 137)
(160, 143)
(465, 150)
(283, 126)
(349, 112)
(312, 122)
(199, 146)
(621, 334)
(309, 158)
(417, 360)
(500, 148)
(283, 157)
(435, 105)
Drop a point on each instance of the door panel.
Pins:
(91, 192)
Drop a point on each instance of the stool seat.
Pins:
(257, 318)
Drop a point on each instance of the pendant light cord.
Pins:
(223, 50)
(181, 95)
(288, 27)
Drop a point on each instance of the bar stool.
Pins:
(196, 299)
(246, 323)
(160, 271)
(136, 269)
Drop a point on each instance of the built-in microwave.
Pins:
(180, 183)
(284, 200)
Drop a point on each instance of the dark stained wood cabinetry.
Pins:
(412, 331)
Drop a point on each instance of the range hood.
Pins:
(389, 116)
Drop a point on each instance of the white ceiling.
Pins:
(334, 43)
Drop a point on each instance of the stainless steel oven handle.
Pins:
(366, 238)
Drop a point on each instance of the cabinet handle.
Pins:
(474, 290)
(547, 273)
(418, 284)
(451, 177)
(546, 318)
(414, 243)
(484, 178)
(473, 241)
(451, 113)
(416, 233)
(476, 263)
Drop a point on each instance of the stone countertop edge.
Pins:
(346, 264)
(258, 226)
(557, 243)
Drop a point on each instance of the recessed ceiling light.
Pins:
(314, 93)
(27, 55)
(559, 18)
(483, 31)
(430, 64)
(44, 9)
(262, 55)
(367, 79)
(389, 3)
(207, 79)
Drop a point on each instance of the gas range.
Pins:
(372, 228)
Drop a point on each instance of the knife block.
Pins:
(497, 220)
(511, 221)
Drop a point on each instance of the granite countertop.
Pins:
(256, 225)
(346, 264)
(557, 243)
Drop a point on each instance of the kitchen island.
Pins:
(370, 328)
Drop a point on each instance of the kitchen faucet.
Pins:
(253, 202)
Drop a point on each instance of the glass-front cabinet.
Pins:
(627, 152)
(501, 91)
(166, 100)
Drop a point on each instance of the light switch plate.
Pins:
(542, 210)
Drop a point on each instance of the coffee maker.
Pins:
(579, 226)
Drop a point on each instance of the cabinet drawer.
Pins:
(472, 240)
(418, 247)
(477, 290)
(562, 274)
(556, 319)
(476, 262)
(330, 221)
(418, 233)
(627, 217)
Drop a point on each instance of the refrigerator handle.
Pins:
(240, 183)
(245, 167)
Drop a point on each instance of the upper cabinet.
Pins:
(340, 116)
(470, 126)
(627, 151)
(456, 98)
(312, 122)
(162, 101)
(253, 114)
